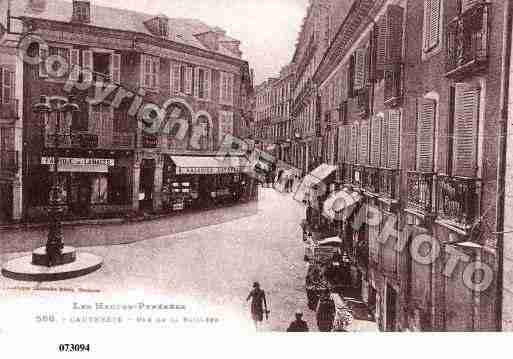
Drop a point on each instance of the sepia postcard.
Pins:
(249, 167)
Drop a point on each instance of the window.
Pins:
(432, 10)
(359, 74)
(226, 85)
(225, 124)
(363, 154)
(389, 40)
(101, 123)
(202, 83)
(99, 189)
(150, 70)
(163, 25)
(393, 146)
(426, 114)
(465, 129)
(6, 86)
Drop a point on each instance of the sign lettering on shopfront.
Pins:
(94, 165)
(207, 170)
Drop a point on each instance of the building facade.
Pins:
(410, 120)
(273, 123)
(149, 88)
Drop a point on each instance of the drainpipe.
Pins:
(502, 151)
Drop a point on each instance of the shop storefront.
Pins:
(204, 181)
(90, 186)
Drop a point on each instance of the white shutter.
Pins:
(43, 55)
(394, 136)
(425, 134)
(363, 157)
(375, 141)
(188, 80)
(196, 82)
(115, 68)
(87, 64)
(231, 81)
(466, 115)
(207, 81)
(94, 119)
(359, 69)
(384, 140)
(74, 68)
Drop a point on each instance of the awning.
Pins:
(315, 177)
(187, 165)
(340, 204)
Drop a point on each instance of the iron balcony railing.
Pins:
(9, 160)
(457, 199)
(9, 110)
(467, 40)
(388, 180)
(420, 191)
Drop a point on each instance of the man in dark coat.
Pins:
(298, 325)
(325, 312)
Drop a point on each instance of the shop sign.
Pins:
(206, 170)
(90, 165)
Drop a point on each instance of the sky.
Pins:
(267, 29)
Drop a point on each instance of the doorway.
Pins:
(80, 199)
(5, 202)
(146, 185)
(391, 309)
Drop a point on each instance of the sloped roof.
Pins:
(181, 30)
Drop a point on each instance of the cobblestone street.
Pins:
(215, 265)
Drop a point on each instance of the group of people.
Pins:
(333, 314)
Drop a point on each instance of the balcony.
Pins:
(457, 200)
(370, 179)
(9, 161)
(9, 110)
(420, 191)
(87, 140)
(467, 41)
(388, 180)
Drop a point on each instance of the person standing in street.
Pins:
(258, 304)
(325, 312)
(298, 325)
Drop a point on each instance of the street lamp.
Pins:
(54, 255)
(54, 261)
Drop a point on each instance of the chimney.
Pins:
(81, 11)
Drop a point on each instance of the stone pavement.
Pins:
(210, 269)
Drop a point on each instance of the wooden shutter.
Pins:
(1, 85)
(43, 55)
(363, 157)
(231, 82)
(466, 115)
(156, 72)
(359, 69)
(381, 45)
(384, 140)
(341, 140)
(196, 81)
(394, 42)
(394, 136)
(207, 81)
(7, 86)
(349, 70)
(354, 143)
(115, 71)
(87, 65)
(175, 80)
(188, 80)
(431, 23)
(426, 113)
(375, 143)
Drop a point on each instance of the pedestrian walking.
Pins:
(298, 325)
(325, 312)
(258, 304)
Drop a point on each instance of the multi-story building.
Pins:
(273, 124)
(410, 119)
(10, 137)
(173, 88)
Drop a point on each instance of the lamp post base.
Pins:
(41, 257)
(24, 269)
